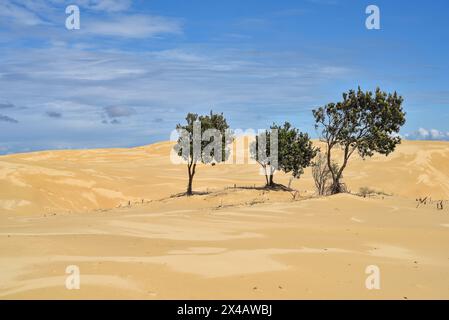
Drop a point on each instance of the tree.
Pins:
(203, 139)
(362, 122)
(294, 151)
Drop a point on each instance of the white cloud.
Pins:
(435, 134)
(166, 77)
(117, 20)
(428, 134)
(18, 14)
(423, 132)
(106, 5)
(133, 26)
(155, 84)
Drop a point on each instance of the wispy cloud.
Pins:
(92, 86)
(324, 2)
(129, 60)
(19, 14)
(4, 118)
(54, 114)
(133, 26)
(119, 111)
(117, 18)
(105, 5)
(6, 105)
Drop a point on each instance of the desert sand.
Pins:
(115, 214)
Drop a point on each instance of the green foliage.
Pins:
(204, 154)
(295, 151)
(207, 122)
(362, 122)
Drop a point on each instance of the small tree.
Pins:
(321, 173)
(203, 139)
(362, 122)
(294, 151)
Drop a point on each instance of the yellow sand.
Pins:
(111, 213)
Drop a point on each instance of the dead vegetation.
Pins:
(367, 192)
(428, 202)
(322, 176)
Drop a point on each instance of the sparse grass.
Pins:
(368, 192)
(274, 187)
(194, 193)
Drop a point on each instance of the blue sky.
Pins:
(135, 68)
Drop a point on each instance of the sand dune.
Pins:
(110, 212)
(64, 181)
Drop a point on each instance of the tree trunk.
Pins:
(189, 186)
(191, 171)
(334, 189)
(336, 185)
(267, 182)
(268, 176)
(271, 183)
